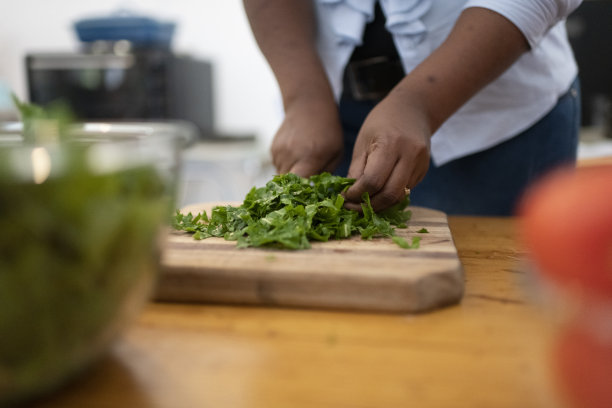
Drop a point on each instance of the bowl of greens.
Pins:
(83, 208)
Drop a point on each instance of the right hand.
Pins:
(309, 141)
(391, 152)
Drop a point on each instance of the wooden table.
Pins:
(490, 351)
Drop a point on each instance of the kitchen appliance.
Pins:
(138, 85)
(125, 70)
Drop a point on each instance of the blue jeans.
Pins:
(492, 181)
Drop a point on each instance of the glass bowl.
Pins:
(80, 229)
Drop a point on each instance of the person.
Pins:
(485, 99)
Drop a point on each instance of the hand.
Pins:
(309, 141)
(391, 152)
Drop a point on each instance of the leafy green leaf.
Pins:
(44, 125)
(290, 211)
(401, 242)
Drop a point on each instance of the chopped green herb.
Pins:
(402, 243)
(290, 211)
(423, 231)
(44, 124)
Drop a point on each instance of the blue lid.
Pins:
(124, 26)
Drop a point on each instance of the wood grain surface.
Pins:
(351, 274)
(491, 350)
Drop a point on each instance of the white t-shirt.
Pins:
(512, 103)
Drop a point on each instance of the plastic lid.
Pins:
(123, 25)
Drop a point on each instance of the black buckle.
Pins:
(372, 79)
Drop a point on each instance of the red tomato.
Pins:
(583, 367)
(566, 225)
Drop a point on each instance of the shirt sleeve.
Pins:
(533, 17)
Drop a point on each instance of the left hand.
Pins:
(309, 141)
(391, 152)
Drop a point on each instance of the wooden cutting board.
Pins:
(352, 274)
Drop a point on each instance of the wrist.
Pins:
(306, 90)
(310, 97)
(418, 102)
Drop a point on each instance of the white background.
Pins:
(245, 92)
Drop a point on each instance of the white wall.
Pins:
(246, 95)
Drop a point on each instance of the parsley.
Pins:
(47, 124)
(290, 211)
(402, 243)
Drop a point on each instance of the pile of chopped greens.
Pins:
(290, 211)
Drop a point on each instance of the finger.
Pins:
(276, 159)
(378, 167)
(420, 168)
(283, 162)
(353, 206)
(304, 168)
(283, 167)
(417, 176)
(355, 171)
(394, 189)
(357, 165)
(309, 166)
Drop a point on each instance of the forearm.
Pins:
(481, 46)
(286, 34)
